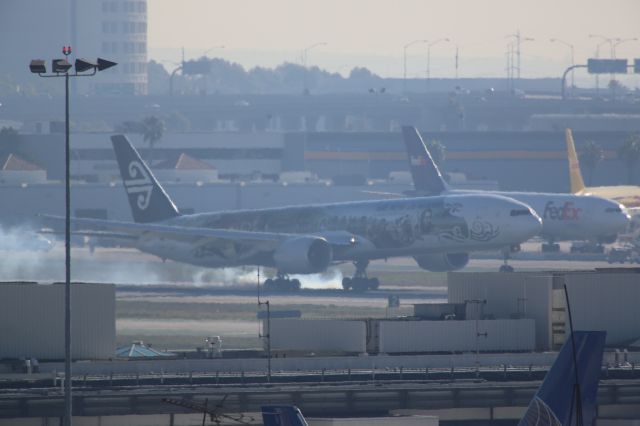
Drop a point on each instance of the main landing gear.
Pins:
(506, 255)
(282, 282)
(360, 280)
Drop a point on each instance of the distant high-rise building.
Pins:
(112, 29)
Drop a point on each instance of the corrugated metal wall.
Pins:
(318, 335)
(457, 336)
(600, 300)
(528, 295)
(32, 321)
(606, 301)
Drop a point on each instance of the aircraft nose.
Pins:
(533, 226)
(622, 221)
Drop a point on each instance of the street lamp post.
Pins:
(61, 68)
(305, 57)
(570, 46)
(180, 67)
(433, 43)
(404, 61)
(305, 52)
(619, 41)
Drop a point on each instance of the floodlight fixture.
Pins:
(83, 65)
(104, 64)
(60, 66)
(37, 66)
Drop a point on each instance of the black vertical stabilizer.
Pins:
(426, 176)
(148, 201)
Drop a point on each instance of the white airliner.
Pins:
(565, 217)
(438, 231)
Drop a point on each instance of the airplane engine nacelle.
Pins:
(443, 262)
(303, 255)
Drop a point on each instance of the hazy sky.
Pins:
(372, 32)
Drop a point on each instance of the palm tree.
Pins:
(438, 152)
(152, 130)
(592, 154)
(629, 152)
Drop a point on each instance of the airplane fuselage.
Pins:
(384, 228)
(568, 217)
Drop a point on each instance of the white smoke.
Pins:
(330, 279)
(25, 256)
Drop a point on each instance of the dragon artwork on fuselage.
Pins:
(394, 224)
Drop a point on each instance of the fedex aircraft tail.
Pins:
(148, 201)
(282, 415)
(577, 184)
(555, 401)
(427, 179)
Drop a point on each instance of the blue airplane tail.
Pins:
(555, 402)
(427, 179)
(282, 415)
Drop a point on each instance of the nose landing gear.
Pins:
(506, 255)
(360, 280)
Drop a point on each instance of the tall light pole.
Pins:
(61, 68)
(605, 40)
(457, 61)
(404, 61)
(433, 43)
(619, 41)
(305, 52)
(571, 48)
(305, 57)
(181, 66)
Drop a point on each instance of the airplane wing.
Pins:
(130, 229)
(338, 240)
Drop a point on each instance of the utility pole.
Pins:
(457, 61)
(479, 303)
(266, 336)
(518, 41)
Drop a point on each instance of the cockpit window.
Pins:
(521, 212)
(613, 210)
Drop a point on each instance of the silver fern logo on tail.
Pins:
(139, 183)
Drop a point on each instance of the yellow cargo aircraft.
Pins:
(629, 195)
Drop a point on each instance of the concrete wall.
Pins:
(457, 336)
(32, 321)
(318, 335)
